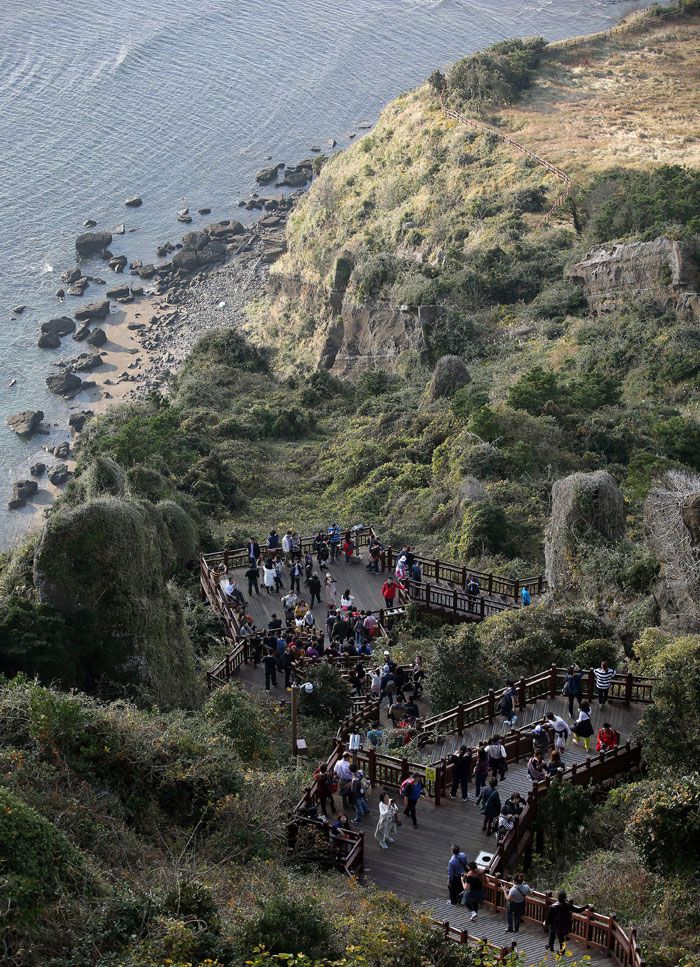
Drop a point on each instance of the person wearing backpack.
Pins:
(498, 757)
(456, 867)
(583, 729)
(515, 897)
(411, 790)
(358, 790)
(505, 705)
(490, 807)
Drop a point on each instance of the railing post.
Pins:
(490, 583)
(492, 705)
(389, 556)
(404, 769)
(483, 608)
(439, 774)
(516, 588)
(629, 681)
(227, 668)
(587, 935)
(553, 682)
(437, 570)
(226, 559)
(522, 693)
(427, 595)
(464, 577)
(460, 718)
(454, 604)
(539, 584)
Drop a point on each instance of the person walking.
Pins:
(456, 867)
(515, 897)
(295, 572)
(481, 771)
(344, 775)
(461, 767)
(389, 589)
(325, 787)
(473, 884)
(505, 705)
(270, 666)
(498, 757)
(573, 689)
(331, 589)
(473, 589)
(386, 824)
(607, 738)
(490, 806)
(252, 575)
(559, 921)
(412, 790)
(315, 588)
(583, 729)
(603, 680)
(358, 791)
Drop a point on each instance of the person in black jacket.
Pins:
(461, 768)
(558, 920)
(253, 551)
(270, 665)
(315, 588)
(252, 575)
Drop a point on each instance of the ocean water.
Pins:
(181, 103)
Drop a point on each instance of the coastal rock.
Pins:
(24, 489)
(273, 253)
(77, 421)
(16, 503)
(267, 175)
(135, 202)
(62, 450)
(91, 243)
(204, 211)
(18, 310)
(186, 260)
(185, 219)
(118, 292)
(147, 271)
(60, 293)
(64, 384)
(62, 326)
(49, 340)
(449, 375)
(89, 223)
(37, 469)
(82, 333)
(119, 229)
(118, 263)
(59, 474)
(296, 177)
(71, 275)
(93, 310)
(98, 337)
(26, 422)
(214, 252)
(86, 362)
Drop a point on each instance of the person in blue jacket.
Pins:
(525, 598)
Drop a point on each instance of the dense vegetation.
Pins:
(183, 859)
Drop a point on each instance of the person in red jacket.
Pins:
(607, 738)
(389, 589)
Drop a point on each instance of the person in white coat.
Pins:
(269, 576)
(561, 731)
(386, 824)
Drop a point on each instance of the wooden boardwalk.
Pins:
(617, 714)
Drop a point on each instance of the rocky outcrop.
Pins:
(60, 326)
(672, 515)
(49, 340)
(98, 337)
(26, 422)
(59, 474)
(64, 384)
(664, 269)
(92, 243)
(449, 375)
(93, 310)
(586, 507)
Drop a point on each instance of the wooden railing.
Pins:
(592, 930)
(238, 557)
(625, 687)
(452, 602)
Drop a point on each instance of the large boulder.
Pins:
(24, 489)
(672, 517)
(449, 375)
(26, 422)
(64, 384)
(60, 326)
(98, 337)
(92, 243)
(93, 310)
(49, 340)
(110, 559)
(586, 508)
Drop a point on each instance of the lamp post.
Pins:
(308, 688)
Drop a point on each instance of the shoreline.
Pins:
(148, 338)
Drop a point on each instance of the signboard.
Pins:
(430, 775)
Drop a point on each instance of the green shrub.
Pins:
(288, 924)
(534, 390)
(589, 654)
(330, 698)
(496, 75)
(459, 670)
(234, 712)
(665, 826)
(484, 529)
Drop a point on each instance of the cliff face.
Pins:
(667, 270)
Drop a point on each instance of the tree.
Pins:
(665, 826)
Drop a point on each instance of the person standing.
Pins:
(498, 757)
(270, 666)
(506, 822)
(269, 576)
(473, 589)
(386, 824)
(315, 588)
(287, 666)
(344, 775)
(583, 729)
(515, 897)
(525, 598)
(558, 920)
(473, 883)
(358, 791)
(412, 790)
(461, 767)
(603, 680)
(273, 541)
(481, 771)
(253, 551)
(490, 806)
(288, 546)
(573, 688)
(279, 583)
(456, 867)
(295, 572)
(252, 575)
(334, 541)
(324, 788)
(331, 589)
(389, 589)
(536, 769)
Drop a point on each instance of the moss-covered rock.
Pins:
(110, 558)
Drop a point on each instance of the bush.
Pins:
(287, 924)
(534, 390)
(665, 826)
(589, 654)
(498, 74)
(484, 529)
(330, 698)
(234, 712)
(459, 670)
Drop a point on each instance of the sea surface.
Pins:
(181, 103)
